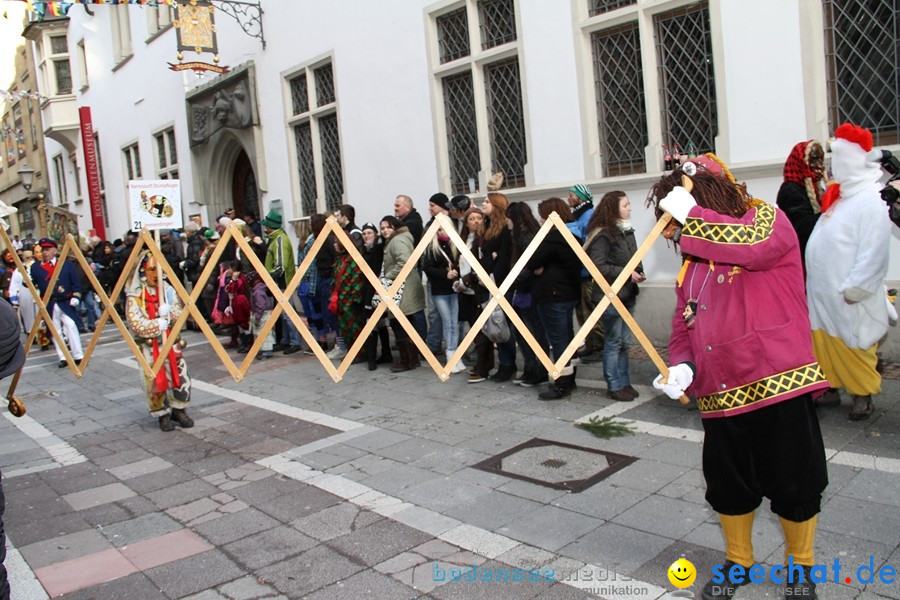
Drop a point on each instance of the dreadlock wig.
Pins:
(714, 187)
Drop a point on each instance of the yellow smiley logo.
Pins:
(682, 573)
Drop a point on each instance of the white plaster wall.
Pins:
(551, 87)
(763, 78)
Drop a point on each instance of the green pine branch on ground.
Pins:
(607, 427)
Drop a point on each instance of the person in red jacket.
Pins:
(741, 346)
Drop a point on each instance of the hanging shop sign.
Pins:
(195, 28)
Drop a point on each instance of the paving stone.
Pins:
(378, 542)
(262, 549)
(549, 528)
(602, 500)
(532, 491)
(192, 510)
(305, 501)
(646, 475)
(75, 478)
(247, 588)
(492, 511)
(335, 521)
(368, 584)
(861, 519)
(375, 441)
(266, 489)
(181, 493)
(664, 516)
(213, 464)
(310, 571)
(108, 514)
(46, 527)
(444, 493)
(141, 467)
(229, 528)
(616, 547)
(193, 574)
(64, 547)
(152, 482)
(141, 528)
(131, 587)
(97, 496)
(163, 549)
(426, 520)
(123, 457)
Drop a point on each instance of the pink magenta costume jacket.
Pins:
(751, 344)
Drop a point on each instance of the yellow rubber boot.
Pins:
(798, 540)
(738, 531)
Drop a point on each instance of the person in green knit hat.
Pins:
(280, 265)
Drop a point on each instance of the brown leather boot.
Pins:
(166, 424)
(180, 416)
(402, 363)
(862, 409)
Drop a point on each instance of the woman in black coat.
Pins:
(373, 252)
(556, 290)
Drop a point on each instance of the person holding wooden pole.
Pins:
(741, 345)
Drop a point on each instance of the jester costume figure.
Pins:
(150, 307)
(846, 263)
(741, 346)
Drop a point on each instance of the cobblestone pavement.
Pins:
(292, 486)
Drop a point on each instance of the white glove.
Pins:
(678, 203)
(181, 264)
(228, 311)
(680, 378)
(74, 302)
(163, 310)
(163, 324)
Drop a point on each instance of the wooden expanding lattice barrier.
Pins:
(283, 304)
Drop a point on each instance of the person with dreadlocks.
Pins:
(846, 263)
(800, 195)
(741, 346)
(149, 309)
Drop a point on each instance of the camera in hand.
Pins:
(889, 193)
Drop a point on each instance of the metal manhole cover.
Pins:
(556, 464)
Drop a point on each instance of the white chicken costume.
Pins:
(846, 263)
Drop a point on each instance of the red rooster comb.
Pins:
(855, 134)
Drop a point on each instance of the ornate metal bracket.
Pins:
(248, 14)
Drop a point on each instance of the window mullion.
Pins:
(481, 121)
(653, 152)
(317, 164)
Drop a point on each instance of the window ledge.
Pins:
(157, 33)
(122, 62)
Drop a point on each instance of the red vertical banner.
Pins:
(92, 171)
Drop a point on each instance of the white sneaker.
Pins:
(459, 367)
(336, 353)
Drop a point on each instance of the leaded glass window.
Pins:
(307, 167)
(862, 43)
(687, 82)
(498, 22)
(331, 162)
(506, 121)
(462, 131)
(621, 114)
(453, 35)
(597, 7)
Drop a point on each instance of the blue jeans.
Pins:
(557, 320)
(529, 316)
(290, 335)
(447, 308)
(90, 307)
(323, 297)
(615, 349)
(436, 322)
